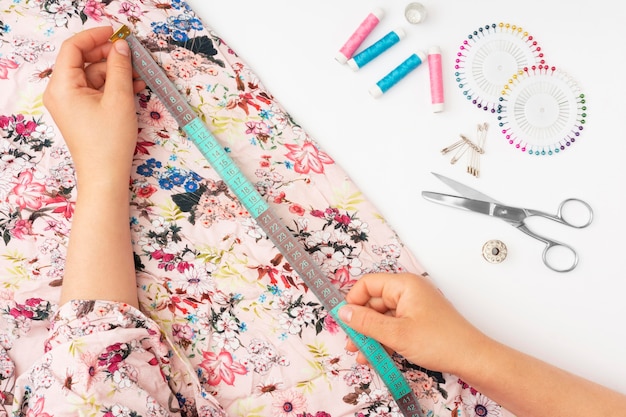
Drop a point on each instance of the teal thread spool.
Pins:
(376, 49)
(397, 74)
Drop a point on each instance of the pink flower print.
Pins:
(297, 209)
(182, 332)
(93, 9)
(342, 219)
(27, 193)
(182, 266)
(308, 158)
(20, 311)
(58, 228)
(130, 10)
(165, 259)
(278, 198)
(22, 228)
(38, 409)
(256, 128)
(465, 385)
(25, 128)
(90, 370)
(146, 190)
(33, 302)
(5, 66)
(342, 278)
(113, 363)
(5, 121)
(113, 357)
(289, 403)
(185, 71)
(317, 213)
(66, 208)
(221, 367)
(331, 325)
(156, 115)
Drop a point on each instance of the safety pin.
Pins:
(461, 146)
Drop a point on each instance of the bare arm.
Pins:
(91, 98)
(528, 387)
(384, 306)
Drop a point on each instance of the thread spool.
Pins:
(436, 78)
(358, 36)
(494, 251)
(377, 48)
(398, 73)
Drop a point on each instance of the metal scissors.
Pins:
(478, 202)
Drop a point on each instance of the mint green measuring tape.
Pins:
(297, 256)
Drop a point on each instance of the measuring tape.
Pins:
(297, 256)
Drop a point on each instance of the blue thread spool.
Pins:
(377, 48)
(397, 74)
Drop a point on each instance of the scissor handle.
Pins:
(551, 247)
(561, 217)
(550, 262)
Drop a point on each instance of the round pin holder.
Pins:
(488, 57)
(494, 251)
(541, 110)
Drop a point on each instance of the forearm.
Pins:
(529, 387)
(100, 262)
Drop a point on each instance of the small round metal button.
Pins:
(494, 251)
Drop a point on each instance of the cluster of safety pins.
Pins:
(414, 13)
(465, 144)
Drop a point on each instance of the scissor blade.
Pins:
(469, 204)
(464, 190)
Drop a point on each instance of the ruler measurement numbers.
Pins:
(293, 251)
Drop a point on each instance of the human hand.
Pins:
(409, 315)
(91, 98)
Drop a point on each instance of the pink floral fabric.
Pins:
(226, 326)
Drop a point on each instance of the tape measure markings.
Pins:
(297, 256)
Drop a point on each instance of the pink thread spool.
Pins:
(365, 28)
(436, 78)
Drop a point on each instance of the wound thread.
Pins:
(356, 39)
(398, 73)
(376, 49)
(436, 78)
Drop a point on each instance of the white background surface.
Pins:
(389, 146)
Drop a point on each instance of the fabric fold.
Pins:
(241, 322)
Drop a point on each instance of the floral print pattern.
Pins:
(225, 326)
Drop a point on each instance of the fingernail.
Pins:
(345, 314)
(121, 46)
